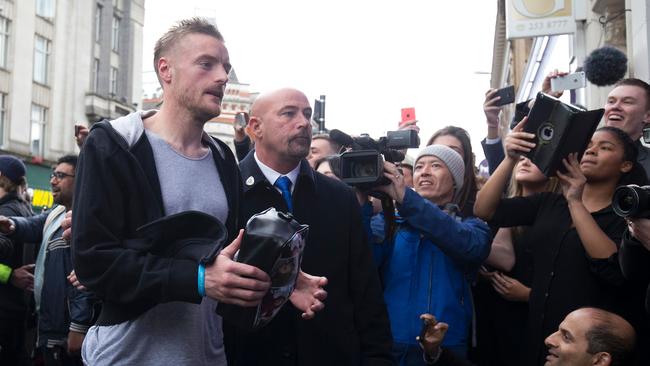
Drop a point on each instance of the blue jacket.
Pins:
(427, 267)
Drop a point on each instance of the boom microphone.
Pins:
(341, 138)
(605, 66)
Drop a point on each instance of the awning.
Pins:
(38, 179)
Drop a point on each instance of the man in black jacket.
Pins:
(64, 313)
(15, 275)
(160, 308)
(353, 329)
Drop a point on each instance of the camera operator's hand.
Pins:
(397, 188)
(640, 229)
(546, 84)
(518, 142)
(492, 113)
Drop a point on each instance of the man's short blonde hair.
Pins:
(177, 32)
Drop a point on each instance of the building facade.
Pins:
(64, 62)
(525, 62)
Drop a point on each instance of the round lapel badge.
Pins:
(250, 180)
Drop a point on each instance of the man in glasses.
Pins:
(64, 313)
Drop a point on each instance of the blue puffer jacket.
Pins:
(427, 268)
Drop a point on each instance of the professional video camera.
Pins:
(363, 165)
(632, 201)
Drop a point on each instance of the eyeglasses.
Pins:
(60, 175)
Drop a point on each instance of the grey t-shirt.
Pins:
(175, 333)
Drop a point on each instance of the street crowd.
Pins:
(438, 266)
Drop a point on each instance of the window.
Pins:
(113, 88)
(4, 41)
(3, 116)
(115, 38)
(98, 22)
(41, 59)
(39, 118)
(95, 76)
(45, 8)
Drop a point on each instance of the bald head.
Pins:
(608, 333)
(280, 124)
(266, 100)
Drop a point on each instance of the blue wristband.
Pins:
(201, 279)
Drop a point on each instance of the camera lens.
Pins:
(364, 170)
(626, 201)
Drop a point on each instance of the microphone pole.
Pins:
(321, 114)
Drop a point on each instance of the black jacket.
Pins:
(63, 308)
(12, 302)
(116, 191)
(353, 329)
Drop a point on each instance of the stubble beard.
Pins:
(298, 147)
(198, 112)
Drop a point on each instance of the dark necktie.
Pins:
(284, 184)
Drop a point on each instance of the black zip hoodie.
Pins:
(117, 191)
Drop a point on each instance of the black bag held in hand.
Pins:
(273, 242)
(560, 129)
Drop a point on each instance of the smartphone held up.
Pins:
(507, 95)
(568, 82)
(408, 115)
(241, 119)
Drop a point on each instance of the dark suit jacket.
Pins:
(353, 329)
(494, 154)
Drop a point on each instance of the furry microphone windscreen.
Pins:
(605, 66)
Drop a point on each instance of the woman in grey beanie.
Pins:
(426, 265)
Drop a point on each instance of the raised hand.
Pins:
(573, 181)
(519, 142)
(409, 125)
(546, 84)
(397, 188)
(490, 108)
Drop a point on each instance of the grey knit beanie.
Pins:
(452, 160)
